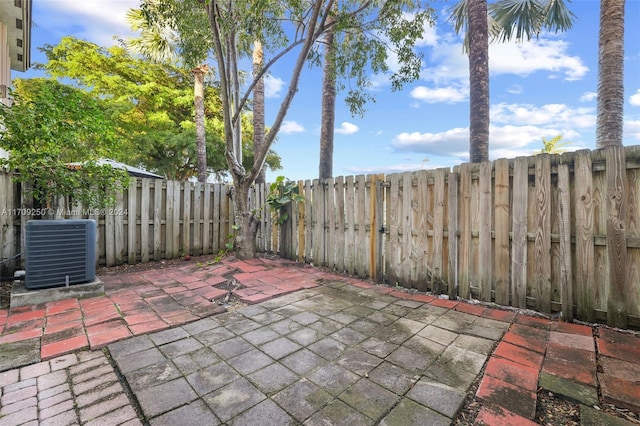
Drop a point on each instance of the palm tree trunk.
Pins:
(478, 81)
(201, 144)
(328, 107)
(610, 74)
(258, 108)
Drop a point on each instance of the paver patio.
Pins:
(316, 348)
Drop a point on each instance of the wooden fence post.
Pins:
(501, 227)
(486, 253)
(453, 234)
(542, 279)
(617, 237)
(519, 232)
(566, 281)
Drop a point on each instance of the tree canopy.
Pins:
(150, 105)
(50, 125)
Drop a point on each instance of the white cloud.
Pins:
(289, 127)
(542, 54)
(272, 86)
(441, 94)
(632, 129)
(515, 89)
(635, 99)
(506, 141)
(97, 20)
(557, 115)
(588, 97)
(347, 128)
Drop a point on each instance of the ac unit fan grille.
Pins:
(60, 252)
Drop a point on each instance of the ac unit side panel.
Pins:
(60, 252)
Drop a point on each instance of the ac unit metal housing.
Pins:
(60, 252)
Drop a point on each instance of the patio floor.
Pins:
(313, 348)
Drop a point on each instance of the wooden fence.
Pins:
(555, 233)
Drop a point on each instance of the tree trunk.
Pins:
(328, 107)
(258, 108)
(201, 143)
(245, 241)
(610, 74)
(478, 81)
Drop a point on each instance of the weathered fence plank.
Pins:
(340, 224)
(362, 258)
(543, 234)
(437, 265)
(617, 237)
(485, 243)
(564, 229)
(144, 220)
(464, 250)
(583, 190)
(131, 221)
(501, 230)
(452, 235)
(519, 233)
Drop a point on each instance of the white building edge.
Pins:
(15, 43)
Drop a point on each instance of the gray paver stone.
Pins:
(409, 359)
(410, 413)
(214, 336)
(392, 377)
(302, 399)
(265, 413)
(338, 413)
(440, 397)
(196, 413)
(231, 348)
(164, 397)
(303, 361)
(140, 359)
(152, 375)
(333, 378)
(358, 361)
(272, 378)
(121, 416)
(130, 346)
(371, 399)
(233, 399)
(194, 361)
(250, 361)
(261, 335)
(280, 348)
(180, 347)
(328, 348)
(209, 379)
(169, 335)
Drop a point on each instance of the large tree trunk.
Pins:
(328, 107)
(478, 81)
(201, 143)
(258, 108)
(245, 241)
(610, 74)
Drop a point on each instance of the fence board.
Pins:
(566, 276)
(157, 220)
(465, 231)
(330, 209)
(144, 220)
(519, 233)
(437, 266)
(484, 238)
(340, 224)
(452, 236)
(393, 252)
(543, 234)
(186, 217)
(584, 235)
(131, 221)
(308, 220)
(196, 247)
(617, 237)
(501, 229)
(362, 259)
(318, 222)
(420, 225)
(406, 227)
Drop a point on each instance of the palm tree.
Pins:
(159, 43)
(502, 20)
(478, 80)
(610, 74)
(258, 107)
(328, 104)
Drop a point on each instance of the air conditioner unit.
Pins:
(60, 252)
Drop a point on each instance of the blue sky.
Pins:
(541, 88)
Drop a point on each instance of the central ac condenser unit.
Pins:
(60, 252)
